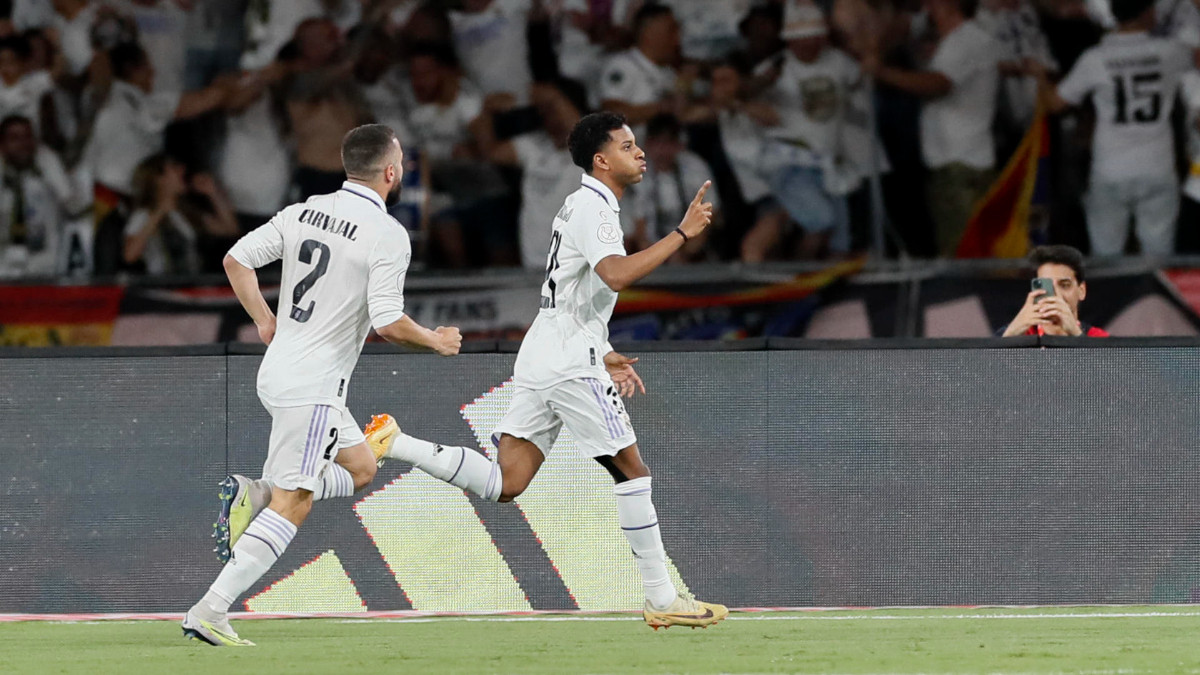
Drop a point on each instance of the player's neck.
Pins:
(375, 186)
(618, 189)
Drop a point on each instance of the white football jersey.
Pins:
(569, 336)
(344, 263)
(1133, 79)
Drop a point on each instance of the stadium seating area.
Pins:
(144, 136)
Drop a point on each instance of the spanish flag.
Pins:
(999, 226)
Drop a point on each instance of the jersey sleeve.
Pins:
(388, 266)
(1080, 81)
(262, 246)
(600, 237)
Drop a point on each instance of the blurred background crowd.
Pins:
(145, 136)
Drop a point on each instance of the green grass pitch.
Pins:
(1042, 640)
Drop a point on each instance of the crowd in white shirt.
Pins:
(795, 109)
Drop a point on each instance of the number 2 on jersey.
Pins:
(551, 265)
(306, 256)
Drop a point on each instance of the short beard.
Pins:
(393, 195)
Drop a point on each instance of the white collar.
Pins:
(593, 183)
(364, 192)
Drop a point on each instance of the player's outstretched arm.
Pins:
(620, 272)
(404, 331)
(245, 285)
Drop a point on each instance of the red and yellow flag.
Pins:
(999, 226)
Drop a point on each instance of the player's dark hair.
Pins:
(663, 124)
(18, 44)
(12, 120)
(649, 12)
(363, 149)
(125, 58)
(968, 7)
(1059, 254)
(1125, 11)
(591, 134)
(441, 53)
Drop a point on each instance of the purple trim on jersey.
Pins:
(358, 194)
(599, 193)
(265, 541)
(610, 417)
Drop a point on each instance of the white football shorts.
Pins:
(304, 440)
(591, 408)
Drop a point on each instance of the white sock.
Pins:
(639, 522)
(458, 466)
(260, 546)
(336, 482)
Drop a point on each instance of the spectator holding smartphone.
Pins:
(1052, 307)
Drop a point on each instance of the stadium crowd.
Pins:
(145, 136)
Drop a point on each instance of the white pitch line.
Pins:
(771, 617)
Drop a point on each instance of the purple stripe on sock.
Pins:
(268, 543)
(276, 525)
(462, 458)
(273, 517)
(348, 480)
(641, 527)
(605, 410)
(271, 530)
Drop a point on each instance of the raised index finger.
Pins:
(700, 193)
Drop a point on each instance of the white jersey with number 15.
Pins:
(344, 263)
(569, 337)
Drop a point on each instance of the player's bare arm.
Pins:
(620, 272)
(244, 281)
(445, 340)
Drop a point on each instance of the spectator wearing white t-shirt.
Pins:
(1188, 235)
(23, 91)
(158, 237)
(36, 198)
(1015, 27)
(73, 22)
(642, 82)
(547, 173)
(490, 39)
(665, 192)
(709, 28)
(801, 160)
(441, 104)
(959, 88)
(270, 24)
(162, 31)
(1132, 78)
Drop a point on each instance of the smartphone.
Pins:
(1043, 284)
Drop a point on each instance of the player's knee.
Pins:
(363, 475)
